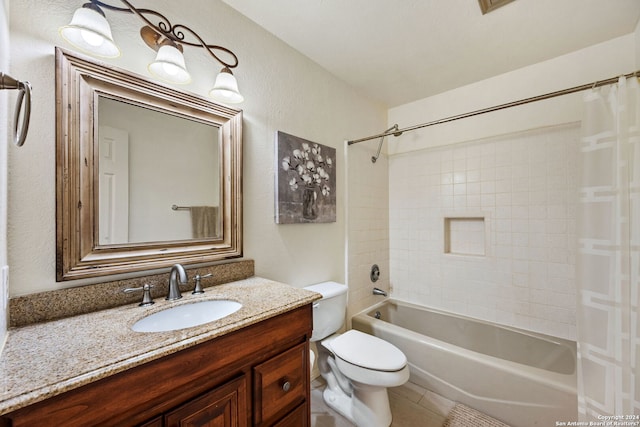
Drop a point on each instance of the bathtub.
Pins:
(519, 377)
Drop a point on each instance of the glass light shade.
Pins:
(89, 31)
(225, 88)
(169, 65)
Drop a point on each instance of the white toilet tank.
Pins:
(329, 312)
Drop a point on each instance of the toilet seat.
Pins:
(372, 377)
(368, 352)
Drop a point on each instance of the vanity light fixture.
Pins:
(226, 88)
(90, 32)
(169, 65)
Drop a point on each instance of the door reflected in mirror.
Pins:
(159, 176)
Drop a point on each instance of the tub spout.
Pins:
(377, 291)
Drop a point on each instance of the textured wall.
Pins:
(637, 35)
(283, 91)
(4, 137)
(581, 67)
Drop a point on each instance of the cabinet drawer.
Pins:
(280, 384)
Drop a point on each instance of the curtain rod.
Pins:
(500, 107)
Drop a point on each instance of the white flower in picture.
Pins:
(309, 164)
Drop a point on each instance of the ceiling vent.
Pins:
(491, 5)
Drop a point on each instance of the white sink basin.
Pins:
(186, 316)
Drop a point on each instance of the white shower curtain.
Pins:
(608, 260)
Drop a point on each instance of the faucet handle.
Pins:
(146, 294)
(198, 288)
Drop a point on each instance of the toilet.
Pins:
(357, 367)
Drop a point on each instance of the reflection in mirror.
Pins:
(127, 150)
(150, 161)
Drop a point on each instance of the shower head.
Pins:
(396, 134)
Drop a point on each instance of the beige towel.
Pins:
(204, 221)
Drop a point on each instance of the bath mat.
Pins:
(463, 416)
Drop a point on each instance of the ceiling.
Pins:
(398, 51)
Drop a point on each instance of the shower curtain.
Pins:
(608, 259)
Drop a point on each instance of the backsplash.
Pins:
(519, 188)
(45, 306)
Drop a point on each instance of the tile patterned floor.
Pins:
(411, 405)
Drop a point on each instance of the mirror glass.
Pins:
(159, 175)
(146, 175)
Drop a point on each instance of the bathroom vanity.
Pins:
(250, 368)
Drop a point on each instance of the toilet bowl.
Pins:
(357, 367)
(360, 368)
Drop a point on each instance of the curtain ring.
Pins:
(24, 94)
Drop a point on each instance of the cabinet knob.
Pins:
(286, 386)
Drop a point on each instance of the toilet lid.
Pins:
(368, 351)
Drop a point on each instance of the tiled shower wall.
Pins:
(514, 198)
(368, 225)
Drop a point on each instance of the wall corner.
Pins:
(637, 45)
(4, 142)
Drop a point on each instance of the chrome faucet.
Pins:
(177, 273)
(377, 291)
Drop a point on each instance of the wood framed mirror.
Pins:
(146, 175)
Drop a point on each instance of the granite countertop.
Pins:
(42, 360)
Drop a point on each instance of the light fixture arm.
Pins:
(175, 33)
(208, 47)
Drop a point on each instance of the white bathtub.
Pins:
(522, 378)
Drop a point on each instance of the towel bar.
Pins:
(24, 98)
(180, 208)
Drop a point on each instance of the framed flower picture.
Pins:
(305, 181)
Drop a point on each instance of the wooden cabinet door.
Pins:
(299, 417)
(225, 406)
(156, 422)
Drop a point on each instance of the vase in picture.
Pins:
(309, 203)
